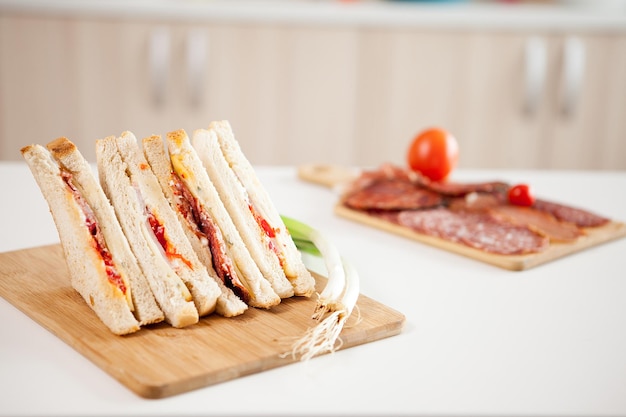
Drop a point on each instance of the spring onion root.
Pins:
(337, 299)
(324, 337)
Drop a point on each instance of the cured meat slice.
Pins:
(478, 230)
(475, 201)
(386, 172)
(456, 189)
(579, 217)
(391, 172)
(539, 221)
(392, 195)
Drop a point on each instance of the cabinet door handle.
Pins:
(159, 59)
(573, 74)
(196, 57)
(536, 59)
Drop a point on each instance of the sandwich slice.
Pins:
(254, 212)
(255, 231)
(184, 205)
(153, 232)
(101, 265)
(176, 247)
(231, 259)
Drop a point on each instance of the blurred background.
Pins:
(520, 84)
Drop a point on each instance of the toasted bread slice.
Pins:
(228, 304)
(190, 170)
(177, 248)
(146, 309)
(110, 300)
(253, 228)
(291, 259)
(132, 206)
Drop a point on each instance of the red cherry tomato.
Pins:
(521, 195)
(433, 153)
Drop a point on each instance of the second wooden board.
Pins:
(593, 237)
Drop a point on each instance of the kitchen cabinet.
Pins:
(592, 133)
(501, 93)
(340, 93)
(65, 77)
(288, 92)
(34, 76)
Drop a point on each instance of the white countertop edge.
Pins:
(363, 14)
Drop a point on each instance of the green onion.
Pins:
(307, 246)
(338, 297)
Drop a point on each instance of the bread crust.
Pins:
(228, 304)
(185, 263)
(85, 265)
(169, 290)
(235, 199)
(295, 270)
(197, 179)
(144, 306)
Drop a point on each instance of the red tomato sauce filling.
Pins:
(97, 239)
(159, 232)
(206, 230)
(270, 232)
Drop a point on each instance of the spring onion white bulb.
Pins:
(324, 337)
(338, 297)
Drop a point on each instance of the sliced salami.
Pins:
(386, 172)
(475, 201)
(392, 195)
(456, 189)
(541, 222)
(475, 229)
(579, 217)
(477, 215)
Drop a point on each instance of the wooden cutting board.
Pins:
(335, 176)
(159, 360)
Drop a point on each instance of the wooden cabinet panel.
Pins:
(82, 79)
(320, 95)
(614, 143)
(470, 83)
(498, 129)
(592, 134)
(296, 94)
(35, 72)
(475, 84)
(406, 81)
(289, 92)
(111, 82)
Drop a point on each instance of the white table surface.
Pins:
(478, 340)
